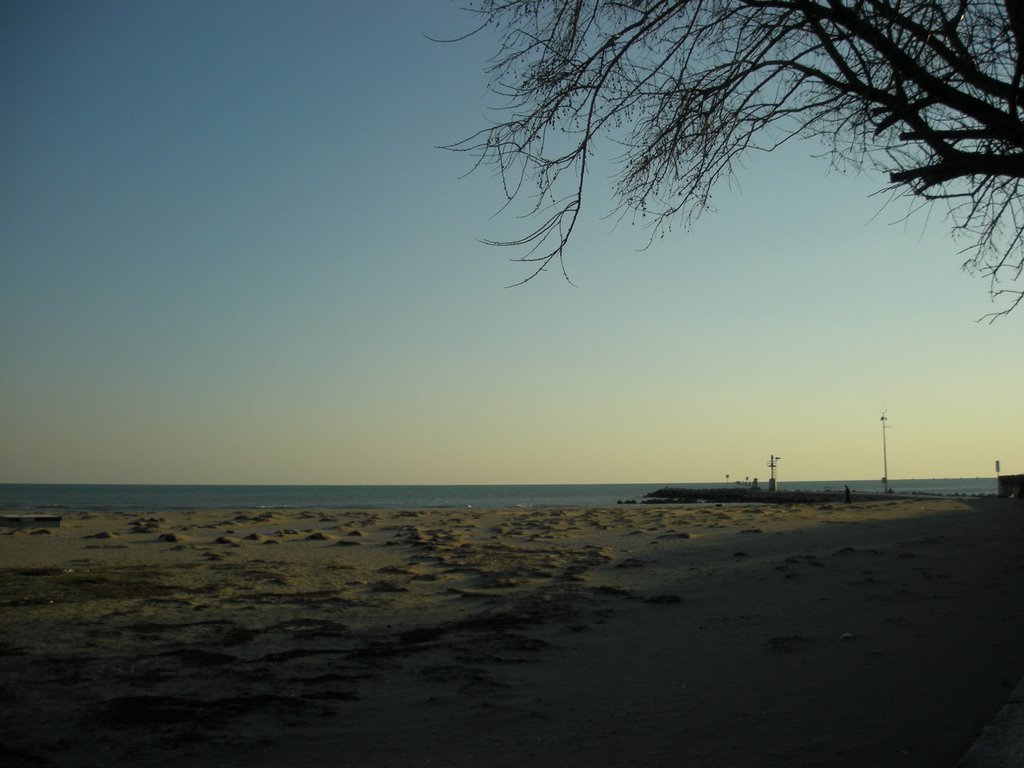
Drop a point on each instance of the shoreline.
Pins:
(780, 635)
(159, 498)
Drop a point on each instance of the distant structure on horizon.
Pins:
(773, 462)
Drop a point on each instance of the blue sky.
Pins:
(230, 251)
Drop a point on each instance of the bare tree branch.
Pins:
(930, 91)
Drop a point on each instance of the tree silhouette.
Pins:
(929, 91)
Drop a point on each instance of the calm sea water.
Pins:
(169, 497)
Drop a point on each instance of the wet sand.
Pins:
(881, 633)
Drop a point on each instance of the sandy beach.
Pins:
(884, 633)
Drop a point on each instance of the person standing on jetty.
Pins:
(846, 492)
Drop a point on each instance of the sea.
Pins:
(152, 498)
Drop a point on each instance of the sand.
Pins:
(881, 633)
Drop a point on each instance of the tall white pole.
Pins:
(885, 457)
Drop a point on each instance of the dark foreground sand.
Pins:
(883, 634)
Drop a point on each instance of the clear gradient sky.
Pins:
(231, 253)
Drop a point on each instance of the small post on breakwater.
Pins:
(772, 463)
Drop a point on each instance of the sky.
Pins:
(231, 251)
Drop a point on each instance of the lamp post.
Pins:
(772, 463)
(885, 457)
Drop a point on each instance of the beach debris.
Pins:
(847, 636)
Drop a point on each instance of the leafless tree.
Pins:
(929, 91)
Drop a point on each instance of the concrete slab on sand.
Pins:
(1001, 744)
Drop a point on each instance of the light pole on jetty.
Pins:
(885, 457)
(772, 463)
